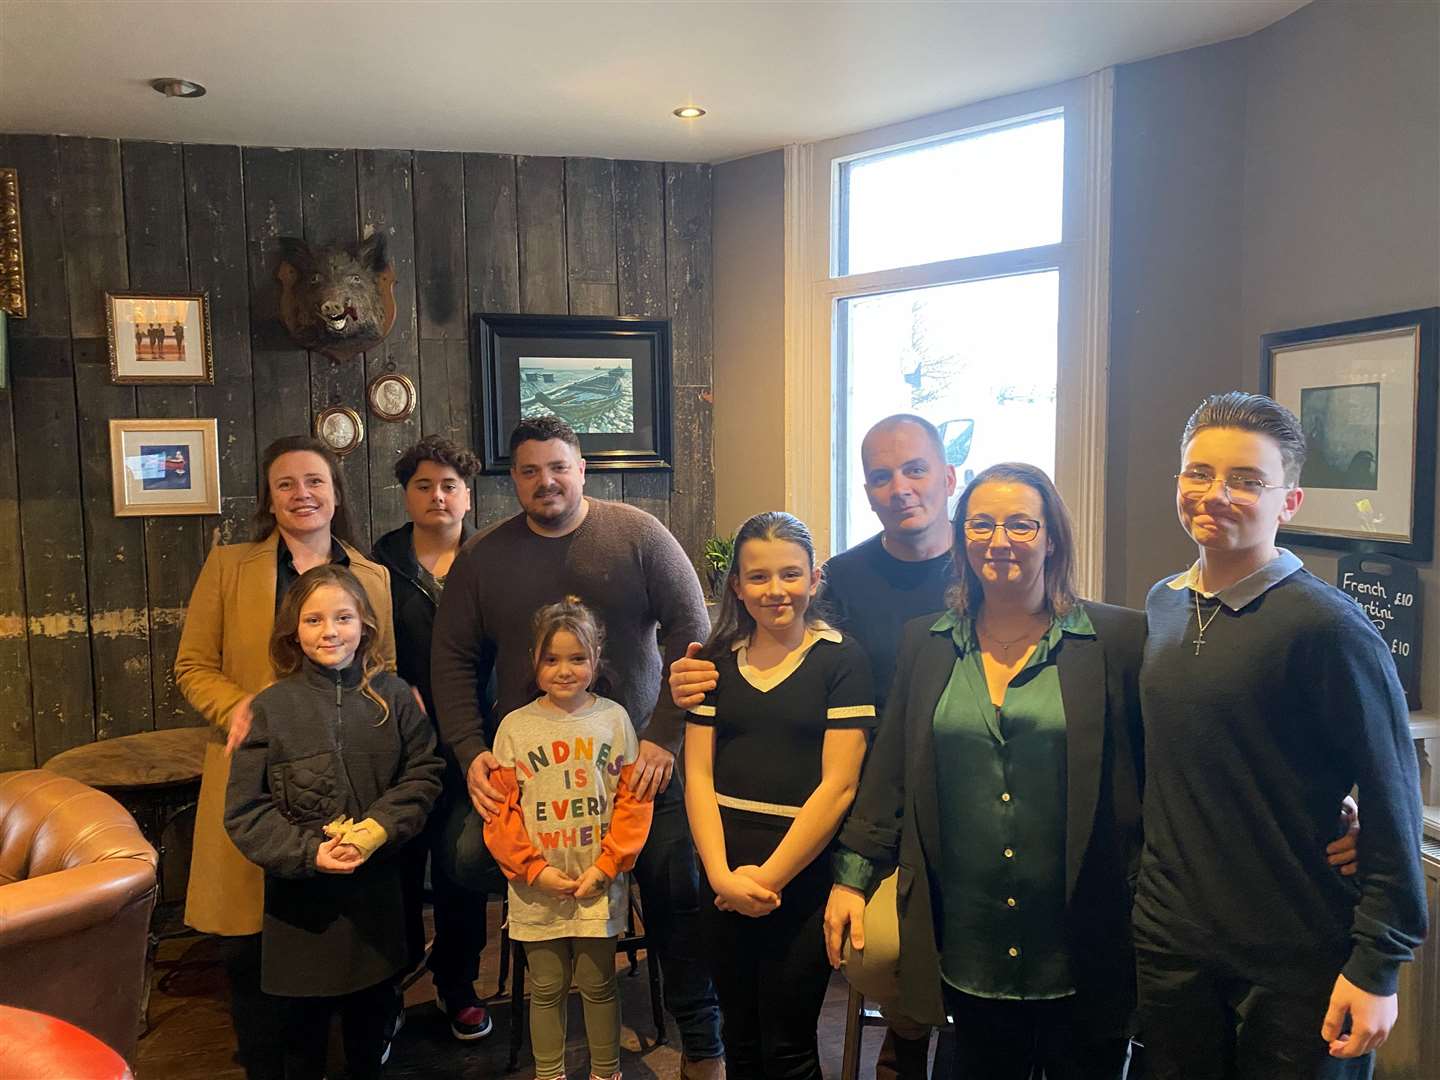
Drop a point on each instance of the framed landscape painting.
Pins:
(607, 377)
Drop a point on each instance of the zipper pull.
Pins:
(337, 694)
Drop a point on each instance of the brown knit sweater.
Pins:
(621, 562)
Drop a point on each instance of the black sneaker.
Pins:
(469, 1020)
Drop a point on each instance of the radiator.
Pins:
(1413, 1050)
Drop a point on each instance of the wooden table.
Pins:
(155, 775)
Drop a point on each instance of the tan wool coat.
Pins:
(224, 657)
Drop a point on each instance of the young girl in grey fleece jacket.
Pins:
(569, 828)
(338, 772)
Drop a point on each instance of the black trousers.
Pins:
(1201, 1023)
(770, 972)
(363, 1018)
(450, 841)
(1015, 1040)
(258, 1017)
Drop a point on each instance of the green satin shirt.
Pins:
(1002, 793)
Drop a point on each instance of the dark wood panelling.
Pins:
(440, 284)
(640, 270)
(280, 370)
(158, 253)
(52, 536)
(94, 230)
(37, 158)
(590, 236)
(332, 212)
(493, 252)
(90, 605)
(387, 206)
(215, 210)
(640, 238)
(540, 210)
(688, 262)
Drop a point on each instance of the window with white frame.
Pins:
(955, 268)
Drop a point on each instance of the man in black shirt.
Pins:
(1267, 695)
(871, 592)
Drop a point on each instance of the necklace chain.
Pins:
(1008, 645)
(1203, 623)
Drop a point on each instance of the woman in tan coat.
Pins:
(222, 663)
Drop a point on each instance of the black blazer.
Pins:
(895, 818)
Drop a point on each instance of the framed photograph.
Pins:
(159, 337)
(1365, 393)
(340, 428)
(12, 247)
(165, 467)
(391, 396)
(607, 377)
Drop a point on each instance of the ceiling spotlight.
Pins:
(689, 112)
(173, 87)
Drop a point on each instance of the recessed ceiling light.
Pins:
(173, 87)
(690, 112)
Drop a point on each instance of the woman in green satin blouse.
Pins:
(1013, 888)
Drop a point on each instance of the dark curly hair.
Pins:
(543, 429)
(440, 450)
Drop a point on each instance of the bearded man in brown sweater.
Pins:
(628, 569)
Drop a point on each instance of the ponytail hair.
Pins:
(570, 614)
(733, 623)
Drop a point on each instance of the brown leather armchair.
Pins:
(77, 886)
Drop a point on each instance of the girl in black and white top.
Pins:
(772, 761)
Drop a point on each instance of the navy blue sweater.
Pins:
(1249, 748)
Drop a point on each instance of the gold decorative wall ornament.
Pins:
(12, 255)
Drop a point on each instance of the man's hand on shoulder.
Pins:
(653, 767)
(484, 795)
(691, 678)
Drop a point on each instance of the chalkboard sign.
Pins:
(1388, 591)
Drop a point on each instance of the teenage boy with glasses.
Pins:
(1267, 696)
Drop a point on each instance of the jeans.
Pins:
(462, 874)
(998, 1039)
(668, 874)
(1201, 1023)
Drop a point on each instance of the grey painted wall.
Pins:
(1282, 180)
(1177, 186)
(749, 199)
(1342, 190)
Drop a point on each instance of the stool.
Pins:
(857, 1018)
(41, 1047)
(630, 943)
(155, 775)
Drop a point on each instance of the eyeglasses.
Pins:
(1019, 530)
(1241, 490)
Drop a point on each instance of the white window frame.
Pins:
(1082, 256)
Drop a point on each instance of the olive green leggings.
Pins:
(591, 963)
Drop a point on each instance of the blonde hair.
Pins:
(286, 655)
(570, 614)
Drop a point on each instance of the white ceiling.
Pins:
(597, 78)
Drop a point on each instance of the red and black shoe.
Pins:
(469, 1019)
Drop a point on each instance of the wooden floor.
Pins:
(190, 1037)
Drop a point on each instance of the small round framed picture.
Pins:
(340, 428)
(391, 396)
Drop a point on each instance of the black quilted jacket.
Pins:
(318, 750)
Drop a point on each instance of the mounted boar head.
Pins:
(338, 300)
